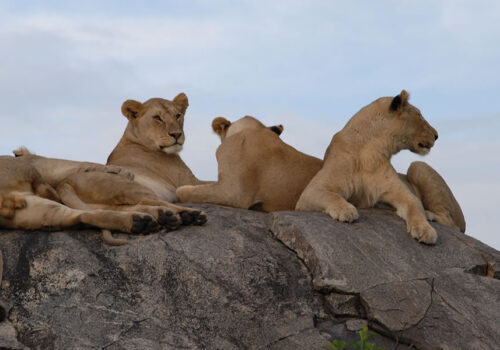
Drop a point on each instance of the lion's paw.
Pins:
(9, 204)
(430, 215)
(144, 224)
(193, 217)
(423, 232)
(169, 220)
(347, 213)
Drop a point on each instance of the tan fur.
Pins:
(149, 146)
(357, 171)
(146, 161)
(27, 202)
(256, 169)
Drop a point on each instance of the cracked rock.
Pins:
(398, 305)
(343, 304)
(427, 296)
(225, 285)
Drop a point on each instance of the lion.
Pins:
(357, 171)
(148, 150)
(257, 170)
(28, 202)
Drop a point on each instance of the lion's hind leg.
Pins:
(438, 200)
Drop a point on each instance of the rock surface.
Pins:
(284, 280)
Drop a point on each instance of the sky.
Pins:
(67, 66)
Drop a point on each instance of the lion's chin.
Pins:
(420, 149)
(172, 149)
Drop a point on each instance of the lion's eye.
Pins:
(178, 115)
(157, 117)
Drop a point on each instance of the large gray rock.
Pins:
(231, 285)
(445, 296)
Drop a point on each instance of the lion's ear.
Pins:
(181, 101)
(278, 129)
(400, 101)
(220, 125)
(131, 108)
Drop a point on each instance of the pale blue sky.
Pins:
(66, 66)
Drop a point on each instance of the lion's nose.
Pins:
(175, 135)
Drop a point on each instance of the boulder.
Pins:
(286, 280)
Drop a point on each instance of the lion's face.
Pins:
(224, 128)
(416, 133)
(158, 123)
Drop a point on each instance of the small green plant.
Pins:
(362, 344)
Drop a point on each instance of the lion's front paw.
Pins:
(9, 204)
(346, 213)
(423, 232)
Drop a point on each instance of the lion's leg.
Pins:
(217, 193)
(41, 213)
(124, 195)
(436, 196)
(410, 209)
(325, 195)
(329, 202)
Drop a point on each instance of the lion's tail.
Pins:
(108, 238)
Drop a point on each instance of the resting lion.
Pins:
(28, 202)
(357, 170)
(148, 149)
(257, 169)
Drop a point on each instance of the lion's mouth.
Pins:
(176, 143)
(173, 148)
(423, 147)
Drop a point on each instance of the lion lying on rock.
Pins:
(357, 171)
(148, 149)
(28, 202)
(257, 169)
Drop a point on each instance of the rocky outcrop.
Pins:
(284, 280)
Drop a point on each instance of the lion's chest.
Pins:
(160, 188)
(366, 191)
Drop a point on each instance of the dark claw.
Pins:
(186, 217)
(144, 224)
(168, 220)
(193, 218)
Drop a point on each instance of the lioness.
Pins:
(357, 170)
(150, 145)
(148, 148)
(28, 202)
(257, 169)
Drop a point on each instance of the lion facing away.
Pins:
(256, 169)
(357, 171)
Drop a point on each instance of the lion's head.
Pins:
(393, 123)
(416, 134)
(224, 128)
(157, 123)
